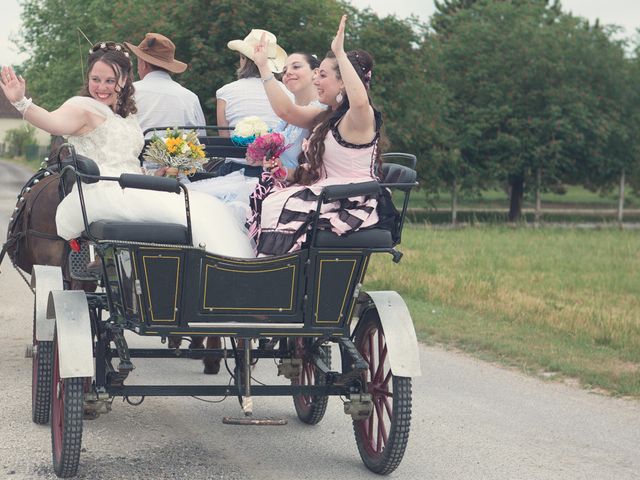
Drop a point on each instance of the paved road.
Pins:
(471, 420)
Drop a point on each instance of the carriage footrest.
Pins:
(264, 421)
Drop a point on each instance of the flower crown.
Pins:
(104, 46)
(366, 74)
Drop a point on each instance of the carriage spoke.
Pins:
(379, 370)
(382, 430)
(384, 385)
(387, 405)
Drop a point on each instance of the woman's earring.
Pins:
(339, 97)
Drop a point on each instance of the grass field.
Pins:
(560, 303)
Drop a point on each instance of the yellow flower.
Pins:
(173, 144)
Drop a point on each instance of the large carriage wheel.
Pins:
(381, 438)
(42, 358)
(310, 408)
(66, 420)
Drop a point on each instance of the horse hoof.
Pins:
(212, 368)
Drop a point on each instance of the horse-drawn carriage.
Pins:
(303, 309)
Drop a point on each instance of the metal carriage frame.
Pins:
(156, 284)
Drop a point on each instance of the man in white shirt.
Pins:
(161, 101)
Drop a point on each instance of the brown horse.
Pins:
(32, 238)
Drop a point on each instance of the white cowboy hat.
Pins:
(277, 55)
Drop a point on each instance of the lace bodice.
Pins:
(114, 145)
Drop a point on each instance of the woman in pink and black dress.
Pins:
(342, 148)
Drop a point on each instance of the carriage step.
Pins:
(253, 421)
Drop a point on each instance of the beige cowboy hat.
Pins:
(158, 50)
(277, 55)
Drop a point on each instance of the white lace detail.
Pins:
(114, 145)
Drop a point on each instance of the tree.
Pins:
(19, 139)
(54, 71)
(199, 28)
(525, 109)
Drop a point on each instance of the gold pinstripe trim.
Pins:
(275, 309)
(175, 294)
(250, 262)
(354, 262)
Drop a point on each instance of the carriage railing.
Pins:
(125, 180)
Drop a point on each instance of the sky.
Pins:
(625, 13)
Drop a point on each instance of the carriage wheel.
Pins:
(381, 438)
(310, 408)
(41, 382)
(41, 360)
(66, 420)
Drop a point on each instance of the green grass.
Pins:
(563, 302)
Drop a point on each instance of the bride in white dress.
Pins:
(101, 125)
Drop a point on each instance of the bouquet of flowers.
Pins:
(269, 146)
(248, 129)
(179, 150)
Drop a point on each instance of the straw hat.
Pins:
(277, 56)
(158, 50)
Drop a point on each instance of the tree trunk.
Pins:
(515, 201)
(454, 202)
(621, 197)
(538, 211)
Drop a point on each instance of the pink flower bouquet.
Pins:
(269, 146)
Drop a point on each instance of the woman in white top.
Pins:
(246, 96)
(101, 125)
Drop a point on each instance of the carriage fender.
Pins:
(400, 335)
(44, 279)
(70, 311)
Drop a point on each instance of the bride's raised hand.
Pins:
(12, 85)
(260, 56)
(337, 45)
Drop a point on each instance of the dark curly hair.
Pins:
(117, 57)
(362, 62)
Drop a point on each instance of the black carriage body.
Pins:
(156, 284)
(164, 290)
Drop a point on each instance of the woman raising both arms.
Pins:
(342, 149)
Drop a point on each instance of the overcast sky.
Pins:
(625, 13)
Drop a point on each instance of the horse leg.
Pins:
(212, 364)
(175, 341)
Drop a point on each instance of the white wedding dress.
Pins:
(115, 145)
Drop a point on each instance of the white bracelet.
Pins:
(270, 77)
(22, 105)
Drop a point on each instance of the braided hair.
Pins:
(117, 57)
(362, 62)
